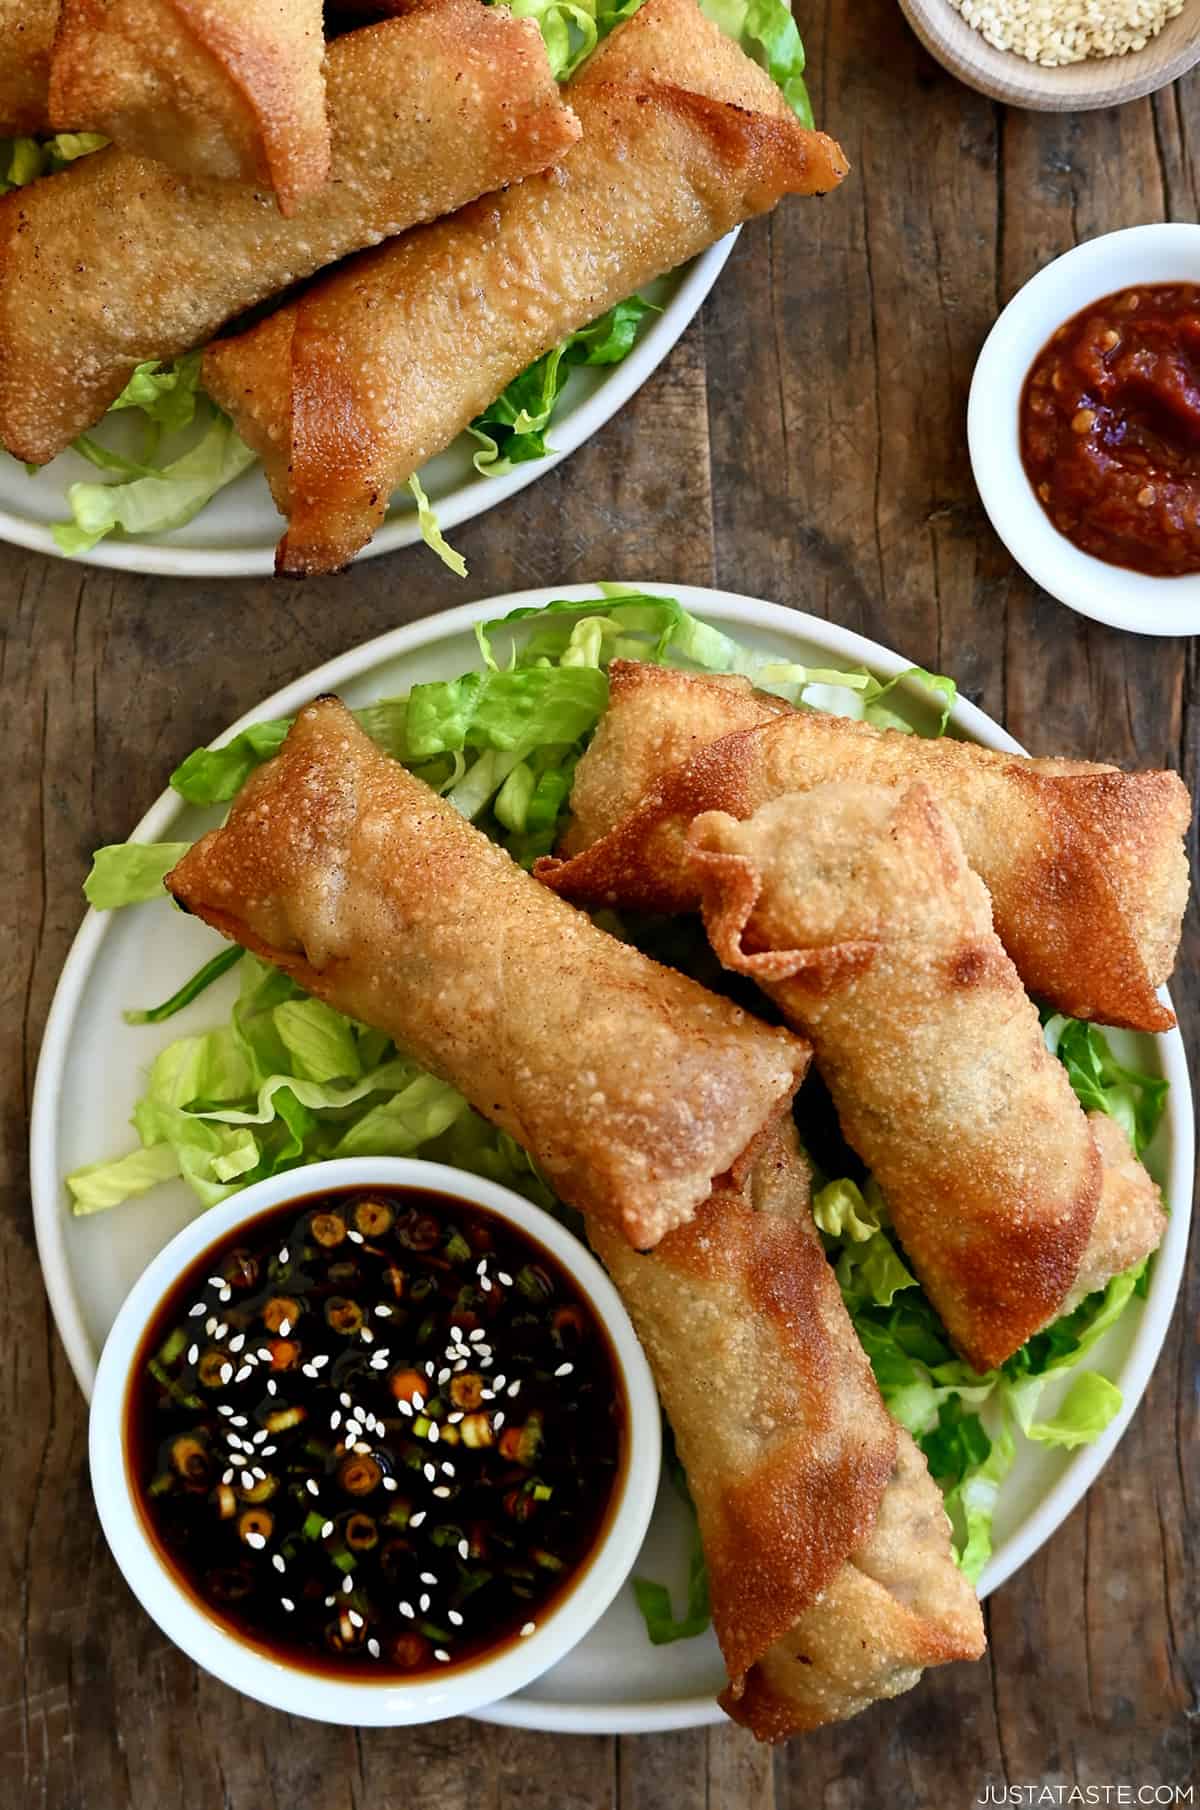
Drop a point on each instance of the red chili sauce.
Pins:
(1110, 429)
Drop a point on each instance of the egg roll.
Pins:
(120, 259)
(854, 907)
(1085, 864)
(630, 1086)
(226, 88)
(349, 389)
(806, 1492)
(26, 40)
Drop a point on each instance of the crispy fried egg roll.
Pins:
(225, 88)
(1085, 864)
(630, 1085)
(854, 907)
(795, 1466)
(349, 389)
(26, 40)
(119, 259)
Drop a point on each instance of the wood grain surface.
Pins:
(805, 442)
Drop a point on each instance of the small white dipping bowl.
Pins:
(313, 1693)
(1110, 594)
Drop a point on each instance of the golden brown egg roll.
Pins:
(1085, 864)
(224, 88)
(119, 259)
(26, 40)
(629, 1085)
(799, 1475)
(854, 907)
(347, 391)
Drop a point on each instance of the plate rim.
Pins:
(155, 558)
(616, 1717)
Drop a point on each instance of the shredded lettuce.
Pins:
(654, 1599)
(127, 873)
(287, 1081)
(23, 160)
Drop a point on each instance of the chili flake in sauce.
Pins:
(376, 1432)
(1110, 429)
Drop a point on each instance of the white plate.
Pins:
(89, 1077)
(236, 535)
(1130, 600)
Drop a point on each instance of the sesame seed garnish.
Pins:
(283, 1255)
(344, 1399)
(267, 1451)
(423, 1602)
(226, 1294)
(195, 1312)
(444, 1375)
(308, 1370)
(288, 1604)
(312, 1486)
(527, 1630)
(285, 1326)
(407, 1609)
(454, 1618)
(211, 1324)
(367, 1336)
(390, 1483)
(498, 1420)
(416, 1520)
(347, 1584)
(405, 1408)
(464, 1549)
(461, 1364)
(383, 1310)
(356, 1620)
(224, 1408)
(441, 1492)
(272, 1385)
(476, 1335)
(327, 1530)
(256, 1540)
(239, 1420)
(243, 1373)
(441, 1653)
(247, 1480)
(505, 1278)
(227, 1476)
(279, 1562)
(452, 1420)
(257, 1471)
(564, 1370)
(379, 1361)
(418, 1400)
(330, 1601)
(352, 1431)
(428, 1472)
(320, 1361)
(335, 1420)
(354, 1237)
(258, 1438)
(514, 1389)
(499, 1381)
(226, 1373)
(428, 1577)
(485, 1285)
(235, 1344)
(373, 1647)
(434, 1434)
(193, 1354)
(220, 1330)
(447, 1468)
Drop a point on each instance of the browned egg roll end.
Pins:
(232, 89)
(26, 41)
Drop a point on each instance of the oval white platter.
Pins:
(89, 1077)
(236, 534)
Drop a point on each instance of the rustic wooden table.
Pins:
(805, 443)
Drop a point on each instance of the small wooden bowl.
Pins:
(1071, 88)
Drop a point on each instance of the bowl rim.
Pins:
(386, 1702)
(1161, 252)
(1004, 75)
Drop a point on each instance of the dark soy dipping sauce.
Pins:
(376, 1432)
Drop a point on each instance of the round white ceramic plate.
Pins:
(236, 535)
(89, 1076)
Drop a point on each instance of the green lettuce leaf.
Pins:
(766, 30)
(23, 160)
(1137, 1101)
(215, 775)
(190, 990)
(126, 873)
(157, 500)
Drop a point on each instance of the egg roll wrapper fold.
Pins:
(1085, 864)
(854, 907)
(351, 388)
(120, 259)
(226, 88)
(790, 1453)
(630, 1086)
(26, 40)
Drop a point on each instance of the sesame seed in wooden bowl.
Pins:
(1064, 87)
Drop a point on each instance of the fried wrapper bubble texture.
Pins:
(120, 259)
(798, 1473)
(347, 391)
(630, 1085)
(1085, 864)
(26, 40)
(226, 88)
(854, 907)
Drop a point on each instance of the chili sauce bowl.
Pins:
(267, 1671)
(1107, 593)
